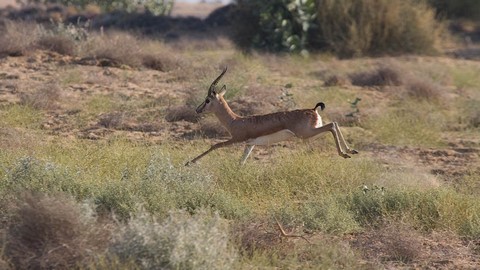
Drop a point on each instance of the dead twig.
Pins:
(282, 231)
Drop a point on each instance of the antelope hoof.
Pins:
(188, 163)
(345, 155)
(352, 151)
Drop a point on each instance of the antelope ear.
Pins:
(223, 90)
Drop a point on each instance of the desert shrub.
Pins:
(165, 187)
(381, 76)
(469, 117)
(457, 8)
(372, 27)
(119, 48)
(179, 113)
(157, 7)
(17, 38)
(181, 241)
(402, 245)
(212, 129)
(157, 62)
(112, 120)
(53, 233)
(59, 44)
(423, 89)
(328, 215)
(45, 97)
(394, 241)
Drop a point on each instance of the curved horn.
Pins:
(214, 83)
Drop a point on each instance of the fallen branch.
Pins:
(282, 231)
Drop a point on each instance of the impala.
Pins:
(268, 128)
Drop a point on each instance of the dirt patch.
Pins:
(450, 163)
(391, 246)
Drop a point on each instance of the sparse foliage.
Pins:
(156, 7)
(181, 241)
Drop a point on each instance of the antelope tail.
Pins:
(321, 105)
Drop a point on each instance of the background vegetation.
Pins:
(347, 28)
(95, 129)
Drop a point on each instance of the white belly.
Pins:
(279, 136)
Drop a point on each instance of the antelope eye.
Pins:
(207, 101)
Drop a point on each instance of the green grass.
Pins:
(411, 123)
(20, 116)
(155, 207)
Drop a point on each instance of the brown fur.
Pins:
(267, 128)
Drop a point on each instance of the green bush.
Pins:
(345, 27)
(279, 25)
(440, 209)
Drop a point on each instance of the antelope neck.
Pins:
(225, 114)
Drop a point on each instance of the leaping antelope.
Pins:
(268, 128)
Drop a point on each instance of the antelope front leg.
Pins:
(213, 147)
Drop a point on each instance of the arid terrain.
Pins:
(102, 113)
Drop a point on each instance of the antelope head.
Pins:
(213, 99)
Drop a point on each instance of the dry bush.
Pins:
(258, 235)
(114, 49)
(182, 113)
(17, 38)
(46, 97)
(336, 80)
(247, 106)
(119, 48)
(382, 76)
(212, 129)
(53, 233)
(401, 242)
(423, 89)
(58, 43)
(156, 62)
(395, 242)
(113, 120)
(374, 27)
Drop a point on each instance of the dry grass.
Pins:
(211, 128)
(256, 236)
(113, 120)
(58, 43)
(355, 28)
(17, 38)
(47, 97)
(395, 242)
(381, 76)
(53, 233)
(182, 113)
(117, 47)
(336, 80)
(423, 89)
